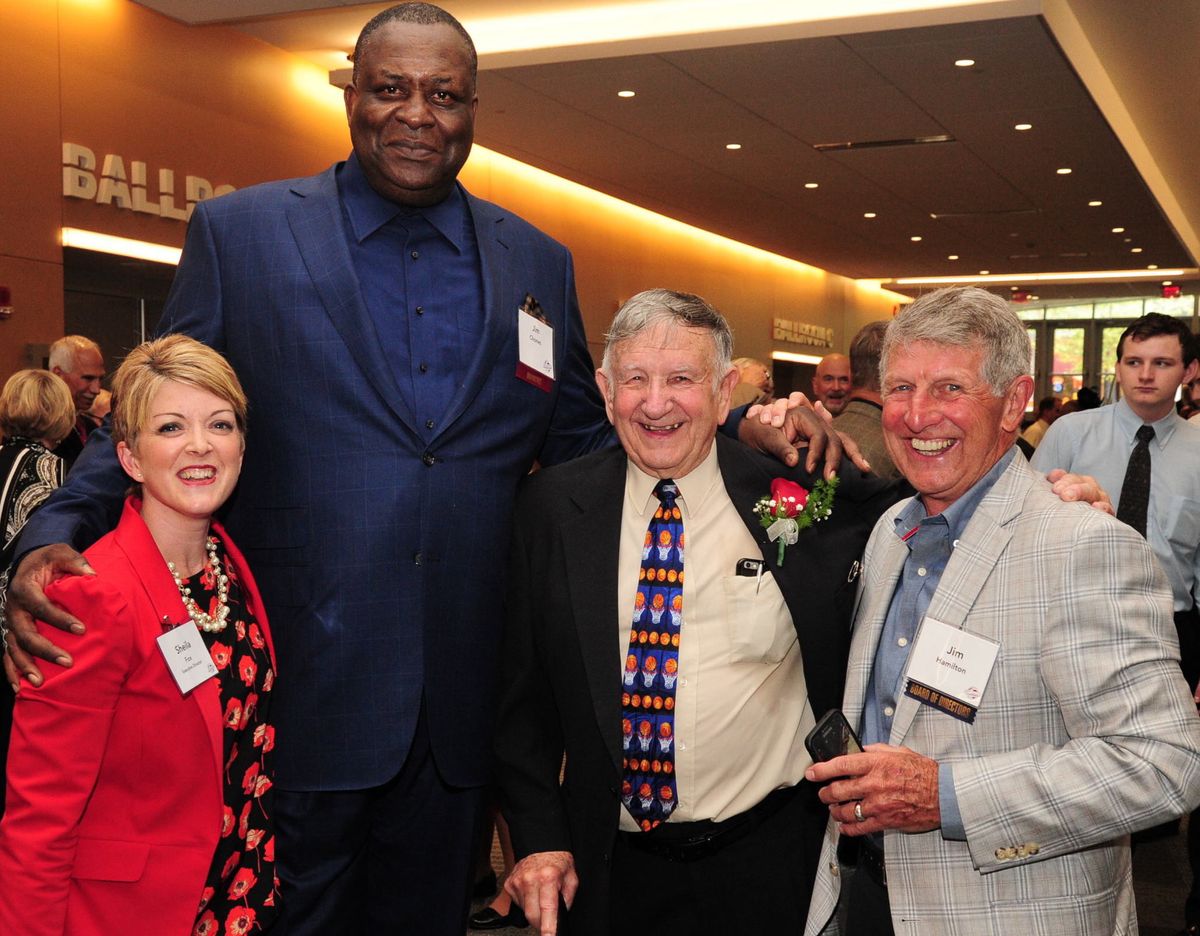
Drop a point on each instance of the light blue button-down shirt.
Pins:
(1098, 442)
(930, 542)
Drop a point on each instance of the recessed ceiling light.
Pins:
(952, 257)
(626, 93)
(1023, 126)
(1152, 266)
(1063, 171)
(1095, 203)
(1168, 283)
(1118, 230)
(733, 146)
(984, 272)
(1135, 249)
(964, 63)
(915, 238)
(1034, 298)
(868, 214)
(810, 185)
(1013, 288)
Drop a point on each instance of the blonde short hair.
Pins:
(36, 404)
(175, 357)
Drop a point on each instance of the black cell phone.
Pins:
(832, 737)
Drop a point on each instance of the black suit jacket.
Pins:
(561, 651)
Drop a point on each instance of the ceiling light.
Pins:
(1034, 298)
(810, 185)
(1013, 288)
(1023, 126)
(1095, 203)
(1167, 283)
(733, 146)
(964, 63)
(1063, 277)
(1118, 230)
(983, 272)
(1063, 171)
(121, 246)
(915, 238)
(868, 214)
(1135, 249)
(1152, 266)
(626, 93)
(952, 257)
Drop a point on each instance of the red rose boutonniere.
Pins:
(791, 508)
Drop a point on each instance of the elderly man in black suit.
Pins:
(683, 795)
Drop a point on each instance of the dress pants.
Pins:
(759, 884)
(394, 859)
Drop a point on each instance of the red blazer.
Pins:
(114, 778)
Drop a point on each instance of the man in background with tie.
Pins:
(1140, 447)
(655, 638)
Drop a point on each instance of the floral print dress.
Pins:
(241, 893)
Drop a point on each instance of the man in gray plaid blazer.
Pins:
(1013, 669)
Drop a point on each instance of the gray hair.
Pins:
(667, 307)
(965, 317)
(423, 14)
(864, 355)
(65, 351)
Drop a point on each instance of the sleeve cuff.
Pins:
(952, 823)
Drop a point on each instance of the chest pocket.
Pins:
(1181, 522)
(759, 625)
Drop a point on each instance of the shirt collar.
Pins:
(694, 488)
(369, 211)
(958, 514)
(1129, 422)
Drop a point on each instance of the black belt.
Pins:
(689, 841)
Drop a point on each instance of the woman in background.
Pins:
(36, 412)
(139, 779)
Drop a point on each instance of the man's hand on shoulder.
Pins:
(888, 787)
(536, 883)
(779, 427)
(27, 601)
(1073, 487)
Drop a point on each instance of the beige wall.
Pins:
(213, 102)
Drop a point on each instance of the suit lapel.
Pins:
(881, 572)
(971, 564)
(592, 542)
(315, 219)
(147, 564)
(498, 320)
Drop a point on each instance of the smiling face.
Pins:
(1150, 372)
(942, 424)
(662, 400)
(187, 457)
(831, 382)
(411, 111)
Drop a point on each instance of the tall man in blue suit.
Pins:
(384, 323)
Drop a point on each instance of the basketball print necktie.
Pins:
(648, 783)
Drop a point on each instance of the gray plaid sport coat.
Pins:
(1086, 730)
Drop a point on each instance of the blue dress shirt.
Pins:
(421, 280)
(930, 542)
(1098, 442)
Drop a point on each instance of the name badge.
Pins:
(949, 668)
(187, 657)
(535, 345)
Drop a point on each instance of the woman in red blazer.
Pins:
(139, 795)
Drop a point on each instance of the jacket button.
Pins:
(418, 558)
(428, 458)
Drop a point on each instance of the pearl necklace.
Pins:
(203, 620)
